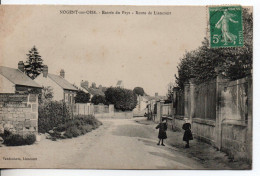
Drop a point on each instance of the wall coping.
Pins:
(179, 117)
(235, 123)
(204, 121)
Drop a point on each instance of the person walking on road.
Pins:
(162, 131)
(187, 134)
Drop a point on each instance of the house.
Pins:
(62, 89)
(16, 81)
(141, 107)
(93, 89)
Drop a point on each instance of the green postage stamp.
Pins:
(226, 28)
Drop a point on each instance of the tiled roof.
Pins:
(156, 98)
(17, 77)
(94, 91)
(62, 82)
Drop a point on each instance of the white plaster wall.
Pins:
(57, 90)
(6, 86)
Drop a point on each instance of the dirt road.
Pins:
(117, 144)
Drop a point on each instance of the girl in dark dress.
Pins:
(162, 131)
(187, 134)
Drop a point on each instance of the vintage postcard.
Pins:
(126, 87)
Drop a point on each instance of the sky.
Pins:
(140, 50)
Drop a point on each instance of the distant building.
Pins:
(93, 89)
(62, 89)
(141, 107)
(16, 81)
(120, 84)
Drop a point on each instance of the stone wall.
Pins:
(234, 140)
(123, 115)
(116, 115)
(19, 113)
(221, 114)
(204, 130)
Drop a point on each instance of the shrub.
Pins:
(75, 127)
(14, 140)
(72, 132)
(51, 114)
(82, 97)
(139, 91)
(30, 139)
(123, 99)
(17, 140)
(97, 99)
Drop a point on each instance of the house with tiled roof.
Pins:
(93, 89)
(62, 89)
(16, 81)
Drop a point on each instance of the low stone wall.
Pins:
(204, 130)
(104, 115)
(116, 115)
(137, 113)
(19, 113)
(178, 122)
(123, 115)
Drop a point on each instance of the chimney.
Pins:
(84, 84)
(45, 71)
(93, 85)
(62, 73)
(156, 94)
(100, 87)
(21, 66)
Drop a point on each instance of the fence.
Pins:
(221, 113)
(179, 103)
(205, 98)
(19, 113)
(83, 109)
(100, 111)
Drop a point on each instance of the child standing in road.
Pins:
(162, 131)
(187, 134)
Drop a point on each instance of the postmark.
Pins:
(226, 26)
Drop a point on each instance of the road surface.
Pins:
(117, 144)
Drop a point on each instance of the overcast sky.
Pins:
(141, 50)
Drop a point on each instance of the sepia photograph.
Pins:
(126, 87)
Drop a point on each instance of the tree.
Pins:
(139, 91)
(46, 94)
(123, 99)
(97, 99)
(204, 63)
(34, 63)
(82, 97)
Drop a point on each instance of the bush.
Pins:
(72, 132)
(123, 99)
(17, 140)
(51, 114)
(82, 97)
(97, 99)
(139, 91)
(75, 127)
